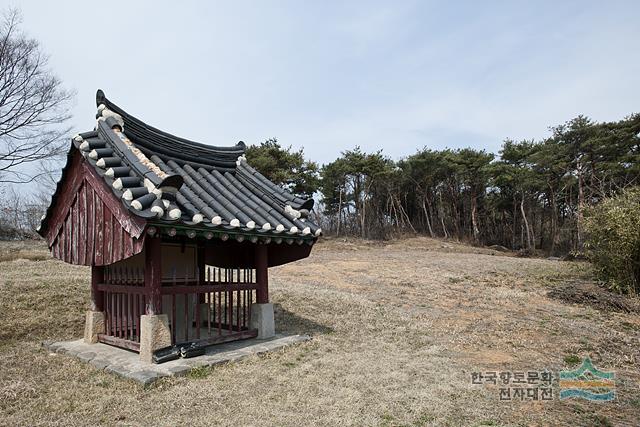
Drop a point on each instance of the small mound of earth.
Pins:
(595, 296)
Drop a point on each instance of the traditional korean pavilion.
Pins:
(179, 235)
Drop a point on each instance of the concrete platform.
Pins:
(127, 364)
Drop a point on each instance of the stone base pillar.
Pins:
(154, 334)
(262, 320)
(94, 325)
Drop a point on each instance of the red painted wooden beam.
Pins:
(262, 273)
(153, 274)
(97, 296)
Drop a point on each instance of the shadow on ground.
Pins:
(290, 323)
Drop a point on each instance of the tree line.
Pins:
(532, 196)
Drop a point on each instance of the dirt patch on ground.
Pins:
(593, 295)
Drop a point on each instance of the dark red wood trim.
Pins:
(262, 274)
(127, 245)
(200, 262)
(63, 203)
(99, 221)
(68, 229)
(108, 236)
(82, 231)
(89, 225)
(117, 241)
(132, 224)
(153, 274)
(97, 295)
(119, 342)
(203, 289)
(201, 266)
(122, 289)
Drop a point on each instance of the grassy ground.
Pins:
(397, 330)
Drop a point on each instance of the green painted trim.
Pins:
(181, 230)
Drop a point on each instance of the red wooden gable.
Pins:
(89, 225)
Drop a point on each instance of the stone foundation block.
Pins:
(154, 334)
(94, 325)
(262, 319)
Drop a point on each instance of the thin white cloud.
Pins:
(328, 76)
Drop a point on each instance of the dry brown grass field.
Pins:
(397, 330)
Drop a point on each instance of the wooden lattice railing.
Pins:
(210, 307)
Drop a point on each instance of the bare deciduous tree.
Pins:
(34, 106)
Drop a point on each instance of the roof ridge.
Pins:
(176, 143)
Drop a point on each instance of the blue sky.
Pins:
(327, 76)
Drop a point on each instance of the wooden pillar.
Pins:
(200, 263)
(97, 297)
(153, 274)
(262, 274)
(201, 269)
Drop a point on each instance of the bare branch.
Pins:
(33, 104)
